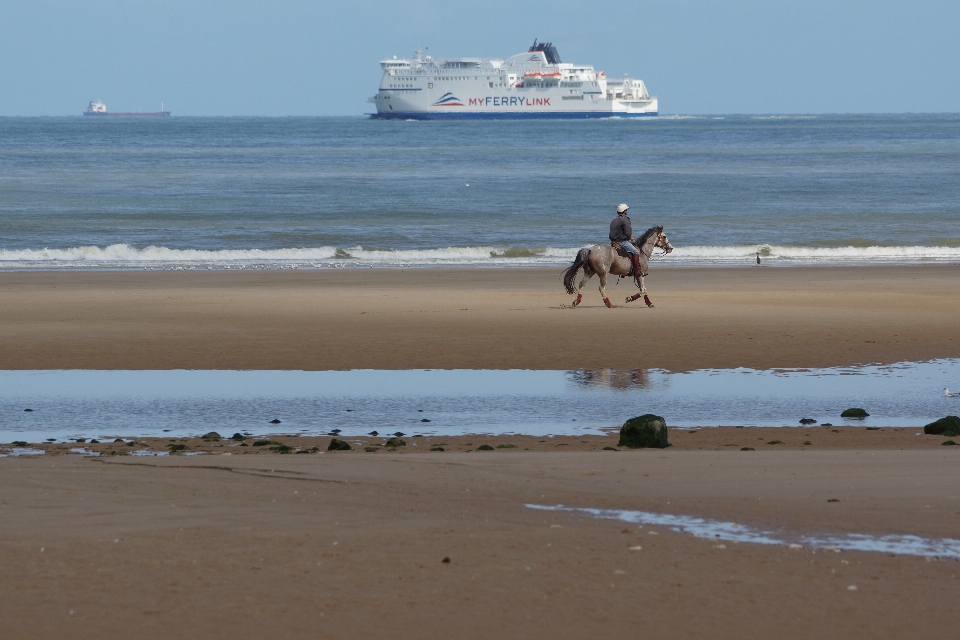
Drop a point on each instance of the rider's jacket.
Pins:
(620, 229)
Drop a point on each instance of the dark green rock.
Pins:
(484, 447)
(177, 447)
(274, 421)
(854, 412)
(807, 421)
(506, 446)
(949, 426)
(239, 437)
(873, 428)
(775, 442)
(948, 442)
(263, 443)
(281, 448)
(370, 449)
(339, 445)
(747, 449)
(213, 435)
(395, 442)
(436, 448)
(610, 449)
(19, 443)
(643, 431)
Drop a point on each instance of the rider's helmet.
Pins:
(622, 207)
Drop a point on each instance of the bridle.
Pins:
(661, 243)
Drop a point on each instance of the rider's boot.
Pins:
(635, 257)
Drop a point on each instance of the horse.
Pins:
(603, 260)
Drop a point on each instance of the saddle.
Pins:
(623, 254)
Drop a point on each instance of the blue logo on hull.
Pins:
(448, 100)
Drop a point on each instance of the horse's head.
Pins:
(662, 242)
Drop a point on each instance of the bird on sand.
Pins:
(947, 393)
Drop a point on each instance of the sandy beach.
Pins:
(246, 542)
(344, 546)
(476, 319)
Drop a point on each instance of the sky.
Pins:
(309, 58)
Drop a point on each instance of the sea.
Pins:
(315, 193)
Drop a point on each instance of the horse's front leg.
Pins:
(642, 292)
(603, 290)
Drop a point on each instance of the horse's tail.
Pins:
(570, 275)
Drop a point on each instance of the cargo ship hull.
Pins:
(124, 114)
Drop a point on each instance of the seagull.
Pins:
(947, 393)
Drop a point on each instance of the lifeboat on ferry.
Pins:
(543, 75)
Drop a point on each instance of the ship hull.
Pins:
(153, 114)
(477, 115)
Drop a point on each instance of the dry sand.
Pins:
(350, 544)
(476, 319)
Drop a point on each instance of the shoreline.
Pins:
(258, 265)
(721, 438)
(498, 318)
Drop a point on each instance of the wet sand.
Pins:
(345, 546)
(477, 319)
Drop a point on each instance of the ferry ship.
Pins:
(97, 108)
(534, 84)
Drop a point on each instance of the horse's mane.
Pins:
(649, 232)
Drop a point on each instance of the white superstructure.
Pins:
(535, 84)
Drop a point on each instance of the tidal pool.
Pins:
(37, 405)
(733, 532)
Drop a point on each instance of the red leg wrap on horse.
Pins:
(607, 302)
(578, 300)
(635, 297)
(647, 300)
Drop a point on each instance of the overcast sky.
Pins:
(315, 57)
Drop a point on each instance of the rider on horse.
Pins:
(621, 233)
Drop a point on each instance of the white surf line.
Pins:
(732, 532)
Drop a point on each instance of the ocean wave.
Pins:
(122, 256)
(812, 255)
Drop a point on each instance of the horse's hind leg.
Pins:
(583, 282)
(603, 290)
